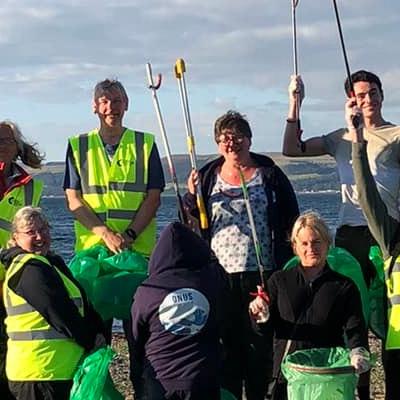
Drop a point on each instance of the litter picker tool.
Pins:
(180, 70)
(296, 72)
(356, 118)
(257, 246)
(154, 87)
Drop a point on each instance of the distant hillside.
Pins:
(306, 174)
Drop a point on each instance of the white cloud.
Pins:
(238, 55)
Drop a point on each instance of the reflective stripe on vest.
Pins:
(113, 190)
(43, 353)
(25, 195)
(392, 277)
(138, 186)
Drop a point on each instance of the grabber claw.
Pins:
(261, 293)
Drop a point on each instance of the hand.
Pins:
(259, 310)
(359, 359)
(114, 241)
(354, 116)
(193, 181)
(296, 90)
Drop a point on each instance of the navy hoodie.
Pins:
(175, 314)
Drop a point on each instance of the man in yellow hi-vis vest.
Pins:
(113, 180)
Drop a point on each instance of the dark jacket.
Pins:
(313, 313)
(42, 287)
(282, 204)
(175, 315)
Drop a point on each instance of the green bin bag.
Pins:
(341, 261)
(320, 374)
(110, 281)
(377, 294)
(92, 380)
(227, 395)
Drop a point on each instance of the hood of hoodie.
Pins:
(7, 255)
(178, 248)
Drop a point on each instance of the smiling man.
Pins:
(113, 180)
(383, 156)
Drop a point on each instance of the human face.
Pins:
(232, 146)
(369, 99)
(311, 248)
(8, 145)
(111, 108)
(33, 237)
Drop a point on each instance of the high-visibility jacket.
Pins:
(21, 196)
(35, 350)
(114, 190)
(392, 276)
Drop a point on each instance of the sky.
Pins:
(238, 55)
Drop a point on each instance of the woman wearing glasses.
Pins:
(50, 323)
(17, 189)
(248, 357)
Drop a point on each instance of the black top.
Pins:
(176, 314)
(313, 313)
(42, 287)
(282, 203)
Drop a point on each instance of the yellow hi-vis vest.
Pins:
(114, 190)
(35, 350)
(21, 196)
(392, 276)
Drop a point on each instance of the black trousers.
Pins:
(357, 240)
(247, 357)
(41, 390)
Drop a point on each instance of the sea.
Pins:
(62, 231)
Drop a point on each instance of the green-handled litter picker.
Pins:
(257, 247)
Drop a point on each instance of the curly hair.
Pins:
(232, 121)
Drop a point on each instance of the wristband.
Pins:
(131, 233)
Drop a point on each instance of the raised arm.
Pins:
(291, 145)
(382, 226)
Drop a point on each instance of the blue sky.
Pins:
(238, 56)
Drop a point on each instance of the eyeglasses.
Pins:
(33, 232)
(7, 141)
(237, 139)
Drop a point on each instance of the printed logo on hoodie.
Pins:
(184, 312)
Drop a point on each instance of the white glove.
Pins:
(259, 310)
(360, 360)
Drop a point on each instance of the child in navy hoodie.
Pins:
(175, 321)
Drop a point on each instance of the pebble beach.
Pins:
(120, 368)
